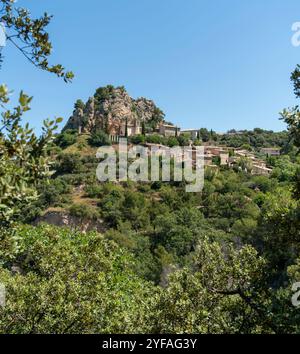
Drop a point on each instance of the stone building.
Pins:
(270, 151)
(168, 130)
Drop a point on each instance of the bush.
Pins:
(155, 139)
(144, 187)
(66, 138)
(172, 141)
(156, 185)
(99, 138)
(69, 163)
(183, 140)
(51, 193)
(138, 139)
(197, 142)
(93, 191)
(83, 211)
(75, 282)
(79, 179)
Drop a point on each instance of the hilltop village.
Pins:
(114, 113)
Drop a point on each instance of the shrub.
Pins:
(51, 193)
(79, 179)
(93, 191)
(75, 282)
(66, 138)
(172, 141)
(156, 185)
(83, 211)
(69, 163)
(138, 139)
(144, 187)
(154, 139)
(183, 140)
(99, 138)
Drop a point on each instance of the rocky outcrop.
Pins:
(109, 109)
(64, 219)
(146, 109)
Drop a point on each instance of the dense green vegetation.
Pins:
(99, 138)
(256, 139)
(159, 139)
(253, 140)
(246, 139)
(223, 260)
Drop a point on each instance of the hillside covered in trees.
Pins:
(82, 256)
(166, 261)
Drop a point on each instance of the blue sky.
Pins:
(219, 64)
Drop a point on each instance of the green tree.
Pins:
(69, 163)
(66, 138)
(172, 141)
(99, 138)
(218, 294)
(79, 104)
(138, 139)
(292, 118)
(204, 134)
(23, 158)
(29, 36)
(126, 127)
(143, 128)
(69, 282)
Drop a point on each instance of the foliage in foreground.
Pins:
(62, 281)
(23, 158)
(68, 282)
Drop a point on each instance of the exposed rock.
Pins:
(64, 219)
(145, 108)
(109, 109)
(15, 269)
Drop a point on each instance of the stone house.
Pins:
(270, 151)
(168, 130)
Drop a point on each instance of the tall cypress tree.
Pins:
(126, 127)
(143, 128)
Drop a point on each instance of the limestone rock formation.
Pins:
(111, 109)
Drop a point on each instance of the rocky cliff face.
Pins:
(64, 219)
(109, 109)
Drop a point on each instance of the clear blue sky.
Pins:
(218, 64)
